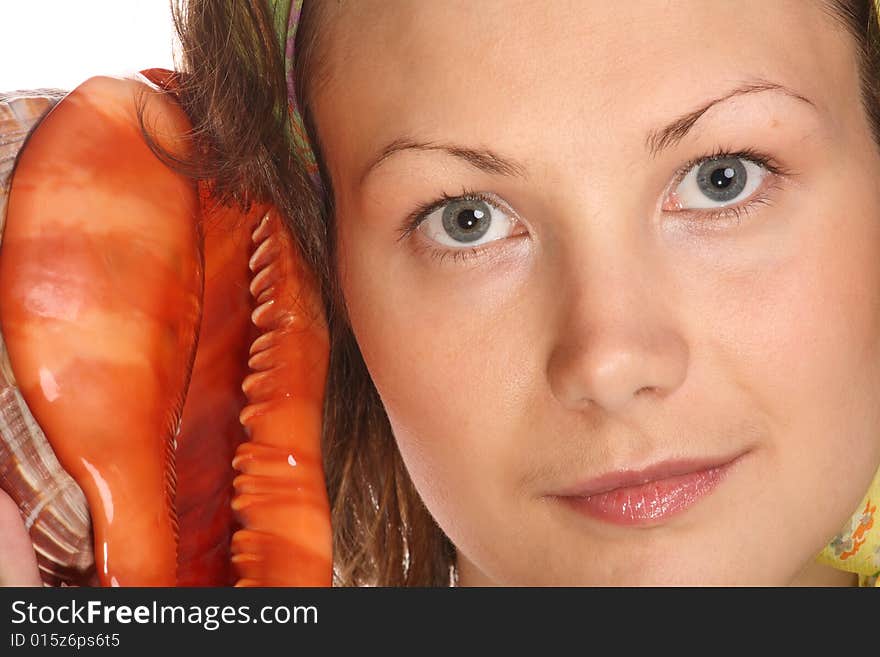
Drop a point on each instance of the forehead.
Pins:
(589, 74)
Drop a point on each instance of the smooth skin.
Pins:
(612, 323)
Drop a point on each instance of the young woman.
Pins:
(603, 281)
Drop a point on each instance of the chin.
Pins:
(647, 564)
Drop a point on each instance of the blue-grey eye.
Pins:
(718, 182)
(722, 179)
(467, 222)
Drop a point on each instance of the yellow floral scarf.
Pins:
(856, 548)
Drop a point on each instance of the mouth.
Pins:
(648, 496)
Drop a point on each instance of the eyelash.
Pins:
(730, 216)
(733, 215)
(415, 218)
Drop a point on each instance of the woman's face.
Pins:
(612, 306)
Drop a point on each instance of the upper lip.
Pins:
(657, 472)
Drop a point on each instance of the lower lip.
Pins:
(650, 502)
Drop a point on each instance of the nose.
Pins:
(618, 339)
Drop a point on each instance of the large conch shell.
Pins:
(162, 343)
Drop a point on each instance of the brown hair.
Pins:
(234, 89)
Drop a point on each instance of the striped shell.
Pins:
(156, 485)
(53, 505)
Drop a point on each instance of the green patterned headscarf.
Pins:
(855, 549)
(286, 15)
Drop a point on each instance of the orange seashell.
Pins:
(126, 304)
(280, 494)
(52, 505)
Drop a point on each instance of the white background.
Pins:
(60, 43)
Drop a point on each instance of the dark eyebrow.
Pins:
(657, 140)
(675, 131)
(480, 158)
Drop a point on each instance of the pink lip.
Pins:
(647, 496)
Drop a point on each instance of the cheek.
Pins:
(803, 336)
(440, 349)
